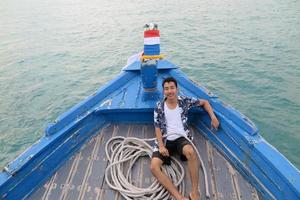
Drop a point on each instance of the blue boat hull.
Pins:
(123, 100)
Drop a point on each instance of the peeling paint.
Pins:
(105, 103)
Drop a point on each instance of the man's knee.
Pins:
(189, 152)
(155, 165)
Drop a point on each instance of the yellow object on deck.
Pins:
(154, 57)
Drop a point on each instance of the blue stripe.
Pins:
(151, 50)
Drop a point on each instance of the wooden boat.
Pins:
(69, 161)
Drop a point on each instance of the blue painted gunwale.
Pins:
(123, 100)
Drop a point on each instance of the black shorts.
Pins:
(173, 147)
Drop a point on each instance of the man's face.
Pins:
(170, 90)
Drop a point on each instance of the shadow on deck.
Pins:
(82, 176)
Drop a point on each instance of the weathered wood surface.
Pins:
(82, 176)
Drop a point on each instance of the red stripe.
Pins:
(151, 33)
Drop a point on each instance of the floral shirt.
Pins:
(185, 103)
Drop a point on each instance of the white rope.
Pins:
(122, 153)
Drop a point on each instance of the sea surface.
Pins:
(54, 53)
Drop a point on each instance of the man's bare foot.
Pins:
(194, 196)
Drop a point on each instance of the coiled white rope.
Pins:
(122, 152)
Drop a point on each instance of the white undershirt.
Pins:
(174, 122)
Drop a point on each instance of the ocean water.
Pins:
(55, 53)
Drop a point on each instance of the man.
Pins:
(170, 116)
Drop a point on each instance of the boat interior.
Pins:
(82, 176)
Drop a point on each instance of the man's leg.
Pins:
(193, 165)
(155, 167)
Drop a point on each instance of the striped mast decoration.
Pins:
(151, 42)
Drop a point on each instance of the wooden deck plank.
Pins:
(148, 178)
(38, 193)
(45, 190)
(81, 172)
(91, 178)
(108, 194)
(118, 130)
(211, 169)
(123, 130)
(64, 177)
(82, 176)
(61, 177)
(223, 178)
(247, 191)
(114, 130)
(136, 131)
(202, 146)
(100, 161)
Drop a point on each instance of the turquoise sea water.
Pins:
(55, 53)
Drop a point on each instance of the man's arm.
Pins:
(161, 147)
(207, 107)
(159, 136)
(157, 124)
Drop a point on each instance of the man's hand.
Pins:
(163, 151)
(214, 122)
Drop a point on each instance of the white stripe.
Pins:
(151, 40)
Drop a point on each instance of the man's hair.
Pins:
(169, 79)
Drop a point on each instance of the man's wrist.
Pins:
(212, 115)
(161, 145)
